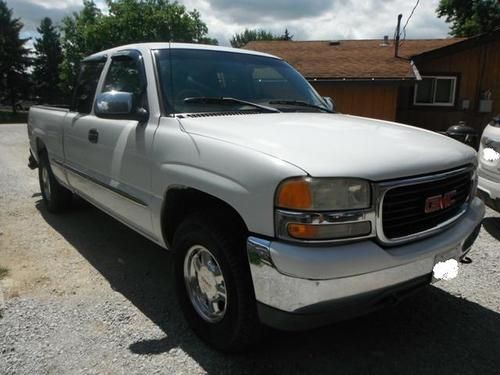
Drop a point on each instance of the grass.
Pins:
(7, 117)
(3, 272)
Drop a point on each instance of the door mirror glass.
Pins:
(329, 103)
(114, 104)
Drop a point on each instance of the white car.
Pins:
(489, 164)
(278, 210)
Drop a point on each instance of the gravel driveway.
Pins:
(86, 295)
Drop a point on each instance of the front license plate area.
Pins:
(446, 265)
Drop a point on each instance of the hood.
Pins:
(336, 145)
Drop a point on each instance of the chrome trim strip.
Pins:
(383, 187)
(100, 183)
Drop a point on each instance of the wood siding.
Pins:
(368, 100)
(477, 69)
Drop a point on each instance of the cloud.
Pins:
(320, 20)
(269, 10)
(305, 19)
(31, 12)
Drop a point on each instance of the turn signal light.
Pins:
(328, 231)
(295, 194)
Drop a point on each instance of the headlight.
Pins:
(490, 154)
(491, 149)
(324, 209)
(323, 194)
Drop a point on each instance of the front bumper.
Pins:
(489, 191)
(302, 282)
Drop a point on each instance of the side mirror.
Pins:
(329, 103)
(119, 105)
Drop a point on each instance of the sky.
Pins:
(305, 19)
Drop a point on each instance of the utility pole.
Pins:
(396, 47)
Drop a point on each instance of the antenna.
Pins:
(396, 47)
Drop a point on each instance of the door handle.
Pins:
(93, 136)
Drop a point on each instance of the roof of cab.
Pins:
(153, 46)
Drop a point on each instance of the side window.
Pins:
(86, 86)
(124, 75)
(435, 91)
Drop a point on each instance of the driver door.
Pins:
(120, 147)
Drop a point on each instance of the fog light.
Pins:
(328, 231)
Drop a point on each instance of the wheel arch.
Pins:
(182, 201)
(40, 146)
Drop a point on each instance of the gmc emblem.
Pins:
(440, 202)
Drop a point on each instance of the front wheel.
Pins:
(55, 196)
(213, 284)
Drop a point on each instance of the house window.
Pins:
(438, 91)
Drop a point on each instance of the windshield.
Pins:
(194, 73)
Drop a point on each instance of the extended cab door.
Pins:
(80, 154)
(114, 163)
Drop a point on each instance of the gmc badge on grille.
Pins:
(440, 202)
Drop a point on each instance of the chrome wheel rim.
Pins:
(205, 284)
(46, 183)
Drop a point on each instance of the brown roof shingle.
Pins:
(354, 59)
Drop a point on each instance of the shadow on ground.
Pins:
(432, 332)
(492, 226)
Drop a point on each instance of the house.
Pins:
(431, 83)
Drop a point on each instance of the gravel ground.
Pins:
(86, 295)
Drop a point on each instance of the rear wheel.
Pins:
(55, 196)
(213, 284)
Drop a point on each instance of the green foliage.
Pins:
(48, 56)
(80, 38)
(14, 59)
(7, 117)
(126, 21)
(470, 17)
(4, 272)
(133, 21)
(241, 39)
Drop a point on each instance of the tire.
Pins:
(55, 196)
(235, 327)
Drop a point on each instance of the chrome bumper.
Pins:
(490, 187)
(298, 279)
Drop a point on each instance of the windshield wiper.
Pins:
(301, 104)
(222, 100)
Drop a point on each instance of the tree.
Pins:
(15, 59)
(80, 38)
(127, 21)
(241, 39)
(470, 17)
(165, 22)
(286, 35)
(48, 57)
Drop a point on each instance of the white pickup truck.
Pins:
(488, 170)
(278, 209)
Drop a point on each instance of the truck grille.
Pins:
(404, 208)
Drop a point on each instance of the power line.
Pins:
(408, 20)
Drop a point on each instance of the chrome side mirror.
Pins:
(119, 105)
(329, 103)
